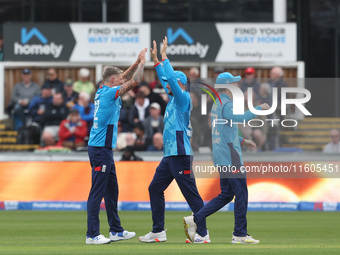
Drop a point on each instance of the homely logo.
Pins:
(189, 48)
(43, 48)
(188, 42)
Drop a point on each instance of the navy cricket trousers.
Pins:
(104, 185)
(230, 187)
(178, 168)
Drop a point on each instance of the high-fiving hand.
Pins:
(141, 55)
(164, 47)
(153, 52)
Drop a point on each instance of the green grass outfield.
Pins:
(53, 232)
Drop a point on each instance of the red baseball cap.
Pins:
(250, 70)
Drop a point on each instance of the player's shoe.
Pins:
(153, 237)
(244, 240)
(124, 235)
(200, 239)
(100, 239)
(190, 227)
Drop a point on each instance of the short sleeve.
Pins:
(112, 92)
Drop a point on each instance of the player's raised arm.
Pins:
(127, 75)
(171, 77)
(248, 115)
(158, 67)
(136, 77)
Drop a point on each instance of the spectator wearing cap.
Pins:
(84, 84)
(54, 114)
(250, 81)
(72, 131)
(157, 143)
(86, 109)
(153, 97)
(70, 96)
(140, 109)
(22, 95)
(156, 83)
(37, 106)
(53, 81)
(154, 122)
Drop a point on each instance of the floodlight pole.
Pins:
(280, 11)
(104, 11)
(336, 65)
(135, 11)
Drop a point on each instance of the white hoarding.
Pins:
(257, 42)
(109, 42)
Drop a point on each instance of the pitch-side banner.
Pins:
(188, 41)
(121, 42)
(75, 42)
(257, 42)
(109, 42)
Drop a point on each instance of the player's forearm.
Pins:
(170, 75)
(127, 75)
(134, 81)
(155, 60)
(164, 56)
(160, 73)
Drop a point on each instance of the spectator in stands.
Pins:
(154, 123)
(250, 81)
(334, 145)
(153, 97)
(72, 131)
(156, 83)
(157, 143)
(265, 94)
(130, 139)
(140, 110)
(140, 143)
(206, 132)
(276, 81)
(124, 119)
(1, 48)
(53, 81)
(218, 70)
(121, 137)
(84, 84)
(54, 114)
(37, 106)
(85, 108)
(129, 155)
(193, 74)
(70, 96)
(22, 95)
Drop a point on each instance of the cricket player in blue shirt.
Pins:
(103, 139)
(177, 161)
(227, 155)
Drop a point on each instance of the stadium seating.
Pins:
(312, 134)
